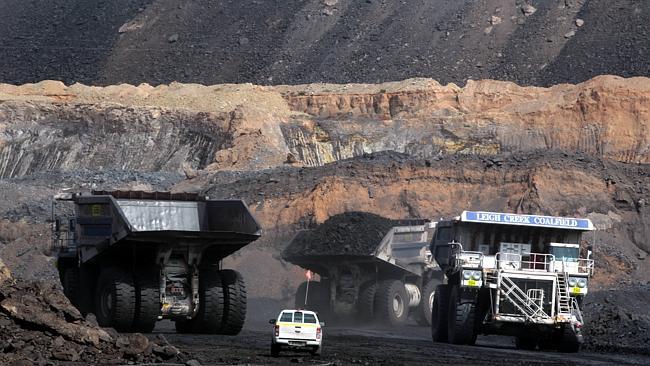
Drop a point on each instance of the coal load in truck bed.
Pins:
(350, 233)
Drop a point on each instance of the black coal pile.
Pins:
(39, 326)
(350, 233)
(618, 320)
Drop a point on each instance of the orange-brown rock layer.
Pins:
(49, 125)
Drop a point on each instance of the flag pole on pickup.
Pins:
(309, 275)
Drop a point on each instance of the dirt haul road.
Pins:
(410, 345)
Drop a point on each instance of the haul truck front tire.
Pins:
(70, 280)
(439, 314)
(391, 302)
(462, 319)
(234, 290)
(115, 299)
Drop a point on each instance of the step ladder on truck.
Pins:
(512, 274)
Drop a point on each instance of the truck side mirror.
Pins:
(589, 253)
(272, 321)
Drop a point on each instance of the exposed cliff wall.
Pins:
(179, 127)
(606, 116)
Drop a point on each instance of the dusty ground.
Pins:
(379, 346)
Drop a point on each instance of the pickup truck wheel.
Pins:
(316, 351)
(391, 302)
(462, 319)
(147, 300)
(366, 302)
(115, 299)
(439, 314)
(234, 291)
(275, 349)
(209, 319)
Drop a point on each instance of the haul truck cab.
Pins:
(511, 274)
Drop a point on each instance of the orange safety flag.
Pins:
(309, 275)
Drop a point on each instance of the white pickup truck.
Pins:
(298, 330)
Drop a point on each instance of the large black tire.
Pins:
(423, 311)
(462, 319)
(391, 303)
(439, 314)
(147, 300)
(234, 290)
(209, 319)
(115, 299)
(366, 301)
(70, 280)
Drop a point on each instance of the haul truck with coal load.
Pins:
(511, 274)
(132, 258)
(370, 268)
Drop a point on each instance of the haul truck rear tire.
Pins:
(234, 290)
(439, 314)
(147, 300)
(366, 301)
(209, 319)
(462, 319)
(391, 302)
(115, 299)
(423, 311)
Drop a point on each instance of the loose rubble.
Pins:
(39, 326)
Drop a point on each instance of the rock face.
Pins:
(5, 273)
(183, 128)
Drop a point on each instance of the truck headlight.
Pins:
(476, 275)
(572, 282)
(467, 275)
(582, 283)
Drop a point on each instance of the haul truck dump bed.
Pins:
(370, 268)
(135, 257)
